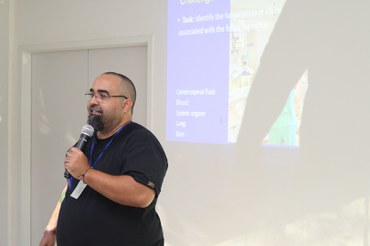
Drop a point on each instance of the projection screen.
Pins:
(267, 122)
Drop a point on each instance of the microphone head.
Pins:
(87, 130)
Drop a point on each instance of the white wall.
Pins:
(4, 54)
(44, 22)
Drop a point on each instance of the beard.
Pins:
(96, 121)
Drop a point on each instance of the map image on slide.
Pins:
(214, 51)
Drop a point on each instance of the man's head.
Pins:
(112, 98)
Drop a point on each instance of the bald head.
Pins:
(127, 87)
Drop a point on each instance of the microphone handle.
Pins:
(80, 144)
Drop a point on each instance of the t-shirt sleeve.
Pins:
(146, 161)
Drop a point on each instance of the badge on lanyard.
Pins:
(78, 190)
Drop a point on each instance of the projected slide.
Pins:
(214, 50)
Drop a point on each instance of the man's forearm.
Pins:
(52, 224)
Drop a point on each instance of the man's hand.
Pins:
(48, 239)
(76, 162)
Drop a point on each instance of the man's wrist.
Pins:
(83, 175)
(52, 232)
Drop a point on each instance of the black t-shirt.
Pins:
(93, 219)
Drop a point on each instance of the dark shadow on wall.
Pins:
(331, 40)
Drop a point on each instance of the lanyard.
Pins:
(101, 154)
(105, 148)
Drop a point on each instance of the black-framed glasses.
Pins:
(102, 96)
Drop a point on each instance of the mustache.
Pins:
(96, 108)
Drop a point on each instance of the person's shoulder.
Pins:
(134, 128)
(140, 135)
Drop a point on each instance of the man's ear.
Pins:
(127, 104)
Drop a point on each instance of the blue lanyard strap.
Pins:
(101, 153)
(105, 148)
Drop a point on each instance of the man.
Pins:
(116, 179)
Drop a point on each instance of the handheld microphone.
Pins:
(86, 132)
